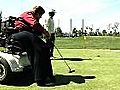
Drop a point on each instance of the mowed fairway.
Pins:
(98, 69)
(105, 66)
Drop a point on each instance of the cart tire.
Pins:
(5, 71)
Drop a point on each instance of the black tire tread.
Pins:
(6, 65)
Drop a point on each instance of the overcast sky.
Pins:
(97, 12)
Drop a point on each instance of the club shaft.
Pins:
(62, 58)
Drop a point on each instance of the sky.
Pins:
(98, 13)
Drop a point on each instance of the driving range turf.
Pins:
(98, 66)
(98, 69)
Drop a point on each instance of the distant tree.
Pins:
(97, 32)
(74, 32)
(115, 28)
(85, 33)
(79, 32)
(59, 32)
(65, 34)
(109, 26)
(104, 32)
(91, 33)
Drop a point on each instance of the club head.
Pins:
(71, 71)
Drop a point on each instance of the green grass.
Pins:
(91, 42)
(104, 66)
(102, 72)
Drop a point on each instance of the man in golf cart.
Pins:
(29, 29)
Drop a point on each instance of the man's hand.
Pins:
(47, 34)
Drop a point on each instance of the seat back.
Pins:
(14, 47)
(7, 29)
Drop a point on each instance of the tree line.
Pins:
(112, 30)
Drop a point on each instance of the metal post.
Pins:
(82, 26)
(0, 19)
(70, 26)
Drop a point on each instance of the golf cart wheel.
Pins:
(4, 71)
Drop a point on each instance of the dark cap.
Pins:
(52, 13)
(38, 9)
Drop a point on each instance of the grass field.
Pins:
(98, 69)
(89, 42)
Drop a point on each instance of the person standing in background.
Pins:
(51, 30)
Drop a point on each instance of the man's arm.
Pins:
(28, 16)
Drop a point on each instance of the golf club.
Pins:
(70, 70)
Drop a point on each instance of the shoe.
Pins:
(40, 83)
(52, 79)
(45, 84)
(50, 84)
(51, 57)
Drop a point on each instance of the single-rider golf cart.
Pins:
(12, 57)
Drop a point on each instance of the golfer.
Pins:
(29, 29)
